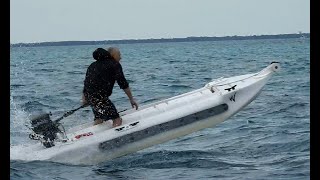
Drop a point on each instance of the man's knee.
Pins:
(117, 122)
(98, 121)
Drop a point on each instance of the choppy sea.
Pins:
(268, 139)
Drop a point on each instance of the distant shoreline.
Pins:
(162, 40)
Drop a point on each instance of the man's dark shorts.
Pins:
(104, 109)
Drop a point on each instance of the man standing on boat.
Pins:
(98, 84)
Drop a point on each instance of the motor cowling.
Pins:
(45, 129)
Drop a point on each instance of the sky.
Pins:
(94, 20)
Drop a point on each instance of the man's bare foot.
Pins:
(97, 121)
(117, 122)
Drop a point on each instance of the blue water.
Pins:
(269, 139)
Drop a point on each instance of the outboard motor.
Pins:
(48, 131)
(44, 129)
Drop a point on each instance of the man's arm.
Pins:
(122, 82)
(84, 100)
(129, 94)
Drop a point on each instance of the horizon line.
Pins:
(157, 38)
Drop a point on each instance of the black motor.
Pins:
(47, 131)
(44, 129)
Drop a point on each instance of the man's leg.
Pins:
(105, 110)
(97, 121)
(98, 111)
(117, 122)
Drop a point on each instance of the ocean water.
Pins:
(268, 139)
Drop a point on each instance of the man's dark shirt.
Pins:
(100, 78)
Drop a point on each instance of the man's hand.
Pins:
(132, 101)
(134, 104)
(84, 100)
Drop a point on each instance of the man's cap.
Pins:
(100, 54)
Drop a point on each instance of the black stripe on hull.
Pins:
(154, 130)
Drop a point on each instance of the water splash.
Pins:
(18, 117)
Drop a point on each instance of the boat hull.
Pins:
(161, 121)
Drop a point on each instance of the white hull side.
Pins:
(87, 150)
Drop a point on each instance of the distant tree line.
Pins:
(187, 39)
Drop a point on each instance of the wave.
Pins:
(180, 86)
(75, 72)
(150, 100)
(281, 147)
(171, 159)
(17, 85)
(49, 70)
(288, 107)
(33, 106)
